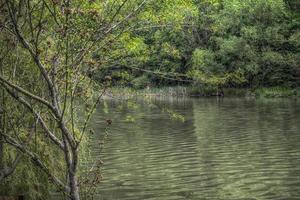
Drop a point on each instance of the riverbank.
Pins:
(192, 91)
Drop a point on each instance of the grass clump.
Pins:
(276, 92)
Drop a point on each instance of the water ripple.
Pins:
(228, 149)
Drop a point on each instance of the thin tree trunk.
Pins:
(71, 158)
(74, 188)
(73, 184)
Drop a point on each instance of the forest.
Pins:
(60, 58)
(248, 44)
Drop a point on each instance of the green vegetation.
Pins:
(276, 92)
(56, 53)
(212, 45)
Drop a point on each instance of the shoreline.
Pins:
(190, 91)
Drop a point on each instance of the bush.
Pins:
(140, 82)
(202, 90)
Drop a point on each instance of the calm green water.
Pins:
(225, 149)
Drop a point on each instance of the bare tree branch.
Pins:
(34, 55)
(26, 93)
(37, 115)
(35, 160)
(90, 113)
(7, 171)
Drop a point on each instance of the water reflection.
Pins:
(225, 149)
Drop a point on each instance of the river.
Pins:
(226, 148)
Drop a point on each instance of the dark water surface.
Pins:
(225, 149)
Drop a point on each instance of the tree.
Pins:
(53, 45)
(249, 44)
(157, 49)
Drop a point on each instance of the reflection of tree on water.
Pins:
(149, 155)
(225, 149)
(245, 151)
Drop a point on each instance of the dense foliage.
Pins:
(234, 43)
